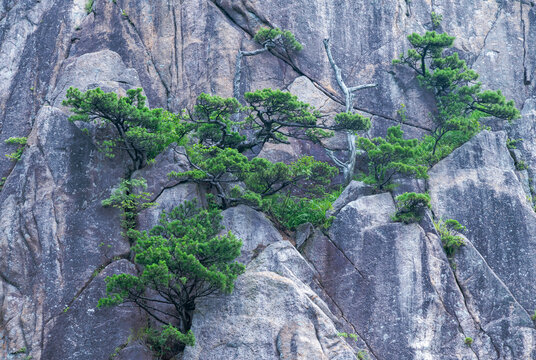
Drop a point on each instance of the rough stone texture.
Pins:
(252, 227)
(496, 271)
(492, 304)
(100, 330)
(303, 232)
(500, 221)
(393, 285)
(55, 234)
(53, 223)
(253, 322)
(352, 192)
(166, 193)
(135, 352)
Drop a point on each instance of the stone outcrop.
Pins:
(271, 314)
(501, 241)
(391, 284)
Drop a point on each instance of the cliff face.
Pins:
(391, 284)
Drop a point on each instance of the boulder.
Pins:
(500, 221)
(271, 314)
(353, 191)
(392, 284)
(252, 227)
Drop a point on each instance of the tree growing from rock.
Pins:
(268, 38)
(347, 167)
(182, 259)
(139, 131)
(237, 179)
(391, 156)
(460, 99)
(410, 207)
(226, 153)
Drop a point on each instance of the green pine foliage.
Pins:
(390, 156)
(141, 132)
(182, 259)
(21, 144)
(410, 207)
(130, 200)
(238, 179)
(167, 340)
(271, 116)
(213, 124)
(449, 231)
(215, 145)
(351, 122)
(460, 99)
(276, 37)
(292, 211)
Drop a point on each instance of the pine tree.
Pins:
(458, 94)
(390, 156)
(141, 132)
(182, 259)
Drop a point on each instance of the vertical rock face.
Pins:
(392, 285)
(501, 228)
(397, 292)
(271, 314)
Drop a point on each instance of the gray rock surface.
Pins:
(393, 285)
(101, 330)
(271, 314)
(252, 227)
(56, 234)
(491, 303)
(496, 269)
(501, 223)
(353, 191)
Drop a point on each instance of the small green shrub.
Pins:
(21, 141)
(89, 6)
(127, 198)
(361, 354)
(167, 341)
(512, 143)
(520, 166)
(291, 211)
(22, 350)
(468, 341)
(533, 316)
(449, 232)
(410, 207)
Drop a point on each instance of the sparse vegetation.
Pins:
(410, 207)
(361, 354)
(291, 211)
(520, 165)
(89, 6)
(449, 231)
(130, 200)
(21, 142)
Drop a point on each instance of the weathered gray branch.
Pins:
(348, 166)
(238, 68)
